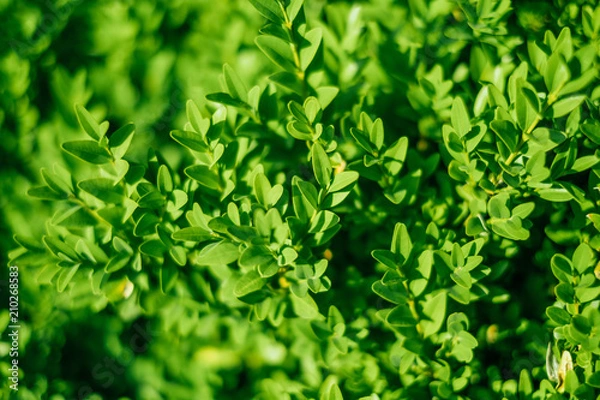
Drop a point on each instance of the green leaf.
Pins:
(523, 210)
(525, 384)
(309, 194)
(65, 276)
(425, 265)
(565, 105)
(465, 342)
(394, 291)
(511, 228)
(223, 252)
(204, 176)
(289, 81)
(117, 262)
(474, 226)
(299, 288)
(274, 195)
(56, 183)
(497, 98)
(299, 130)
(47, 273)
(556, 74)
(305, 307)
(497, 206)
(587, 294)
(193, 234)
(248, 283)
(527, 107)
(167, 278)
(309, 47)
(362, 140)
(321, 165)
(394, 156)
(164, 181)
(46, 193)
(120, 140)
(556, 194)
(565, 293)
(326, 94)
(199, 124)
(268, 269)
(262, 187)
(87, 150)
(401, 316)
(323, 220)
(376, 134)
(152, 200)
(294, 8)
(88, 122)
(146, 225)
(60, 248)
(121, 171)
(584, 163)
(179, 198)
(343, 180)
(227, 99)
(387, 258)
(460, 117)
(462, 277)
(507, 133)
(74, 217)
(558, 315)
(262, 309)
(243, 233)
(562, 268)
(545, 139)
(434, 308)
(579, 83)
(233, 213)
(333, 393)
(595, 218)
(191, 140)
(582, 324)
(594, 379)
(235, 86)
(277, 51)
(457, 256)
(401, 243)
(312, 110)
(334, 199)
(153, 248)
(270, 9)
(582, 258)
(103, 189)
(298, 111)
(288, 256)
(255, 255)
(121, 246)
(564, 44)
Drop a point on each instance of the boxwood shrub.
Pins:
(301, 199)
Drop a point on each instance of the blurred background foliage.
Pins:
(140, 61)
(129, 61)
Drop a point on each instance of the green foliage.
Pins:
(380, 201)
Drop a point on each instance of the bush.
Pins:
(406, 208)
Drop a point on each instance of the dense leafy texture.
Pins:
(379, 201)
